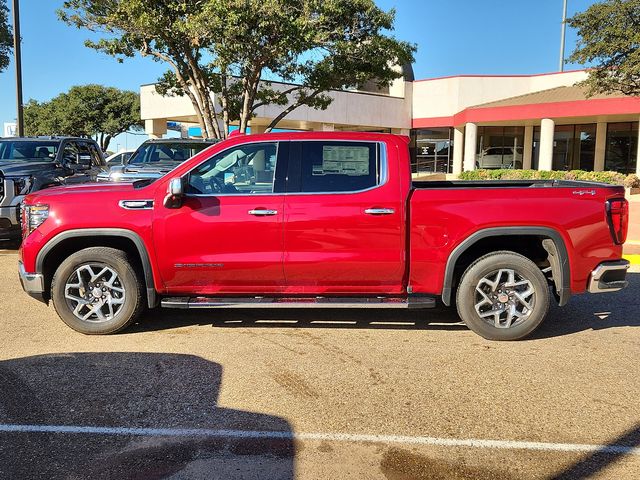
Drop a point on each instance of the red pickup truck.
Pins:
(320, 220)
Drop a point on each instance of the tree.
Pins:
(226, 49)
(85, 111)
(609, 38)
(6, 39)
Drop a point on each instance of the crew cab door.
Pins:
(227, 236)
(344, 219)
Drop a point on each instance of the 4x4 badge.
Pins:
(584, 192)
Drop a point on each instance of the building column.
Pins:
(527, 152)
(156, 127)
(401, 131)
(601, 146)
(458, 149)
(547, 127)
(470, 140)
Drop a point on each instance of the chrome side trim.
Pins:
(309, 302)
(596, 283)
(136, 204)
(262, 213)
(382, 181)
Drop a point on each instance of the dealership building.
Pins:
(464, 122)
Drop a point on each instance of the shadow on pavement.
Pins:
(595, 312)
(440, 318)
(598, 461)
(138, 390)
(584, 312)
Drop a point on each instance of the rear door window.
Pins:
(334, 166)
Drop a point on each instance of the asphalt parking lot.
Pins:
(319, 394)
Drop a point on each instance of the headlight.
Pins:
(21, 185)
(32, 217)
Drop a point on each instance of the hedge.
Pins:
(614, 178)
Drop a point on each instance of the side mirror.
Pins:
(175, 194)
(116, 172)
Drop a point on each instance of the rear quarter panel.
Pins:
(441, 219)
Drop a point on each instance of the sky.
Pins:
(453, 37)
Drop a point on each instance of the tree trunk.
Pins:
(287, 111)
(104, 142)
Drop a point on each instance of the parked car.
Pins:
(321, 219)
(119, 158)
(155, 158)
(500, 157)
(28, 164)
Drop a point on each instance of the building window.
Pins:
(432, 150)
(622, 147)
(499, 147)
(574, 147)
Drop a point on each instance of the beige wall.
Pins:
(349, 108)
(445, 97)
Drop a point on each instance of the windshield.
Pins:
(166, 152)
(28, 150)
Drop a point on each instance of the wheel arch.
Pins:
(71, 241)
(550, 240)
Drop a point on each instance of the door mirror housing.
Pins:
(116, 172)
(175, 193)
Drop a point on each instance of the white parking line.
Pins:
(332, 437)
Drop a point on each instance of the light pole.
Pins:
(18, 59)
(562, 35)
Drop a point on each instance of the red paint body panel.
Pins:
(323, 243)
(441, 219)
(236, 252)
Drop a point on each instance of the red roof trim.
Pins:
(578, 108)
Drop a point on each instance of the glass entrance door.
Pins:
(432, 156)
(431, 150)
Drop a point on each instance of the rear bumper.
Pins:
(608, 277)
(32, 283)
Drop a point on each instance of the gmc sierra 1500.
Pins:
(320, 220)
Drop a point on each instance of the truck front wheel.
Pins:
(97, 291)
(503, 296)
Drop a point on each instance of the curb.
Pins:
(633, 259)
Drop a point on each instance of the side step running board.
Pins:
(297, 302)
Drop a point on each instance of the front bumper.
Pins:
(9, 222)
(32, 283)
(609, 277)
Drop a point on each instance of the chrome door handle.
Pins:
(262, 213)
(379, 211)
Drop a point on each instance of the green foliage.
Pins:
(609, 39)
(614, 178)
(6, 39)
(230, 47)
(85, 111)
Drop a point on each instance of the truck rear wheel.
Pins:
(503, 296)
(97, 291)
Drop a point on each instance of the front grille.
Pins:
(1, 189)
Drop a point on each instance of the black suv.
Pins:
(28, 164)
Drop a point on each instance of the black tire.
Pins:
(486, 267)
(132, 300)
